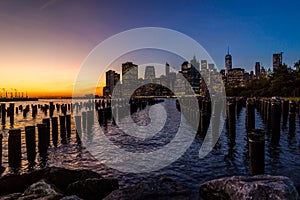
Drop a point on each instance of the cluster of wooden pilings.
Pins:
(186, 105)
(271, 111)
(52, 127)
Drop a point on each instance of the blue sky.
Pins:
(59, 34)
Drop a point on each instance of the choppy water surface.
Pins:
(229, 156)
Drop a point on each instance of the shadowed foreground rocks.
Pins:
(56, 183)
(164, 189)
(254, 187)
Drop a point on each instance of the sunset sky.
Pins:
(44, 42)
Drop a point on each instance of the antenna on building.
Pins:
(228, 50)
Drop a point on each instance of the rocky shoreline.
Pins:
(58, 183)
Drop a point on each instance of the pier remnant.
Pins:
(14, 148)
(256, 140)
(30, 144)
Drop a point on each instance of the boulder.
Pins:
(72, 197)
(60, 177)
(94, 188)
(254, 187)
(11, 196)
(40, 188)
(14, 183)
(163, 189)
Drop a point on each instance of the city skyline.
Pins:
(44, 43)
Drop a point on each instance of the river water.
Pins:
(229, 156)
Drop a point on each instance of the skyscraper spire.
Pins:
(228, 50)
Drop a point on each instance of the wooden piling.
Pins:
(250, 115)
(54, 130)
(62, 124)
(1, 168)
(83, 120)
(68, 124)
(30, 143)
(11, 114)
(292, 116)
(14, 148)
(275, 121)
(231, 118)
(47, 121)
(256, 140)
(78, 127)
(42, 139)
(3, 112)
(89, 120)
(51, 109)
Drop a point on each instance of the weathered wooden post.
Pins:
(3, 112)
(54, 130)
(30, 144)
(11, 113)
(78, 127)
(231, 118)
(62, 123)
(14, 148)
(250, 115)
(42, 139)
(89, 120)
(275, 121)
(51, 109)
(269, 114)
(292, 116)
(47, 134)
(256, 140)
(83, 120)
(100, 116)
(285, 112)
(68, 124)
(1, 167)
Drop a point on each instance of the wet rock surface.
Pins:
(93, 188)
(164, 189)
(254, 187)
(52, 183)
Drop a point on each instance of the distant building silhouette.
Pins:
(192, 75)
(211, 66)
(236, 77)
(194, 62)
(167, 69)
(263, 72)
(129, 78)
(203, 65)
(251, 75)
(149, 73)
(112, 79)
(257, 70)
(277, 60)
(228, 62)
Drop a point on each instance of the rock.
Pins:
(11, 196)
(164, 189)
(72, 197)
(94, 188)
(40, 188)
(60, 177)
(13, 183)
(254, 187)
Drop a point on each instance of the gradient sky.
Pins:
(44, 42)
